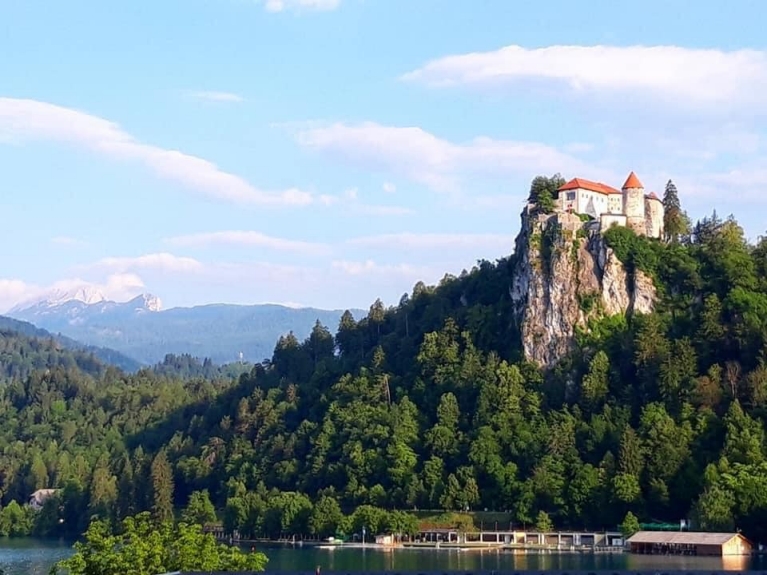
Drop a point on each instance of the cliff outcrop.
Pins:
(565, 274)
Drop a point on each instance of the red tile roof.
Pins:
(632, 182)
(580, 183)
(652, 196)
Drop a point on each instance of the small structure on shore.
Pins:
(38, 498)
(689, 543)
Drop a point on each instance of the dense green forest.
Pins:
(106, 355)
(425, 405)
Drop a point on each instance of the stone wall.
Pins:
(609, 220)
(654, 218)
(633, 209)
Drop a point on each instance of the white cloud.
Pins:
(319, 5)
(217, 96)
(389, 188)
(116, 287)
(432, 161)
(436, 241)
(685, 76)
(248, 238)
(164, 262)
(33, 120)
(13, 291)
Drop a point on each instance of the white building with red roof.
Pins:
(629, 206)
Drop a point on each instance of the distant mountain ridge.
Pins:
(106, 355)
(83, 301)
(141, 329)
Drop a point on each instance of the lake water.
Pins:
(30, 557)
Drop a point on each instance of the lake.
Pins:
(32, 557)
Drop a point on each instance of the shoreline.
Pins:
(518, 549)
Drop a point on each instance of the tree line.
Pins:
(426, 404)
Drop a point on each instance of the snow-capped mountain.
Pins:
(79, 306)
(57, 297)
(141, 329)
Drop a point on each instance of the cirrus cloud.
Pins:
(427, 159)
(685, 76)
(23, 119)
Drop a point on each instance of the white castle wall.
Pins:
(615, 203)
(591, 203)
(629, 208)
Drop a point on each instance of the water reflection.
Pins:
(22, 557)
(30, 557)
(371, 559)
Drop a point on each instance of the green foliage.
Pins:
(543, 192)
(551, 238)
(635, 252)
(143, 547)
(16, 521)
(630, 525)
(588, 301)
(543, 522)
(199, 510)
(676, 223)
(423, 405)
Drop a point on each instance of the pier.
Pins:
(520, 540)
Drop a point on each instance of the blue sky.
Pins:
(327, 152)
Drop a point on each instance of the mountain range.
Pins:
(106, 355)
(142, 330)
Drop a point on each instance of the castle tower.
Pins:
(634, 204)
(653, 207)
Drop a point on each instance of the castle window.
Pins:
(570, 196)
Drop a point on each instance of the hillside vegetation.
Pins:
(220, 332)
(428, 404)
(104, 354)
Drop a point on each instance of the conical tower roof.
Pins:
(632, 182)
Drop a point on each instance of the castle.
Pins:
(629, 206)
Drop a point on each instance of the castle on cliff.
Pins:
(629, 206)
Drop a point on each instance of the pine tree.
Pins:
(675, 221)
(162, 484)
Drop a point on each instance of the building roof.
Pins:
(580, 183)
(632, 182)
(681, 537)
(43, 493)
(653, 196)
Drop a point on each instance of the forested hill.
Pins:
(104, 354)
(429, 404)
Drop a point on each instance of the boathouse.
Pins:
(689, 543)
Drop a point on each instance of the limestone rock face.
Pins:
(564, 276)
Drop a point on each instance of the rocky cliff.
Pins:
(565, 275)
